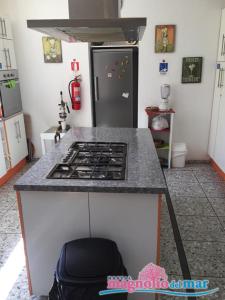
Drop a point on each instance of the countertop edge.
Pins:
(134, 190)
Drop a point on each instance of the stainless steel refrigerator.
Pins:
(115, 87)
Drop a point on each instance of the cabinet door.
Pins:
(3, 56)
(218, 91)
(15, 130)
(9, 53)
(131, 221)
(3, 169)
(221, 49)
(220, 137)
(1, 28)
(5, 28)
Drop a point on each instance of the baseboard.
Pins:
(199, 161)
(12, 172)
(218, 170)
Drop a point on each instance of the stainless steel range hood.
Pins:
(92, 21)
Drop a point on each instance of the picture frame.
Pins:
(192, 70)
(52, 49)
(165, 36)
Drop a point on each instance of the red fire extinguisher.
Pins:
(75, 92)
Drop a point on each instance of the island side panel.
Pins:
(131, 220)
(50, 220)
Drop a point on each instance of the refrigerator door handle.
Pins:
(96, 89)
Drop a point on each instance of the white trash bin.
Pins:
(179, 152)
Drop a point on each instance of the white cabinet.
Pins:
(217, 133)
(7, 55)
(3, 169)
(221, 49)
(219, 94)
(10, 54)
(5, 28)
(2, 56)
(219, 154)
(131, 221)
(16, 136)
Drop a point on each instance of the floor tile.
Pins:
(9, 223)
(222, 221)
(166, 231)
(20, 288)
(214, 283)
(218, 205)
(200, 228)
(166, 297)
(6, 203)
(195, 166)
(179, 176)
(164, 207)
(192, 206)
(214, 189)
(207, 176)
(205, 258)
(185, 189)
(169, 257)
(7, 243)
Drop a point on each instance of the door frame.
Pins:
(135, 82)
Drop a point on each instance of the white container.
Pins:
(179, 152)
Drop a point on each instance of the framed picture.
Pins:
(52, 50)
(192, 70)
(165, 38)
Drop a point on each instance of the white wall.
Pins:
(197, 35)
(41, 83)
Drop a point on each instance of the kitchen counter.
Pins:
(143, 172)
(56, 211)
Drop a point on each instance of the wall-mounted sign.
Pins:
(163, 67)
(192, 70)
(165, 38)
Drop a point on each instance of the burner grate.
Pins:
(89, 160)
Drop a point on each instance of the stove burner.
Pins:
(96, 161)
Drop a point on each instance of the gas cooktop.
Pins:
(92, 160)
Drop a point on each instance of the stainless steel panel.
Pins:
(93, 9)
(114, 101)
(92, 30)
(11, 99)
(9, 74)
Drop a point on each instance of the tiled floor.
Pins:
(198, 197)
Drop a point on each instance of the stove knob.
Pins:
(4, 75)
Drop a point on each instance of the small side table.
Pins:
(49, 135)
(164, 152)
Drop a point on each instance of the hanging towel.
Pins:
(11, 84)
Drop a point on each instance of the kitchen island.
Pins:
(55, 211)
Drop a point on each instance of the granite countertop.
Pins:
(144, 174)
